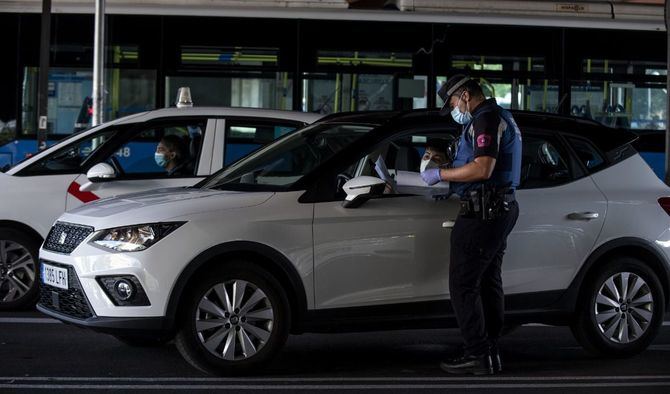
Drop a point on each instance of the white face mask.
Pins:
(428, 164)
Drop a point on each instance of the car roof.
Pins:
(606, 138)
(305, 117)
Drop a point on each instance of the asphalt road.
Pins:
(38, 354)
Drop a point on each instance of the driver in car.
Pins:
(171, 155)
(434, 156)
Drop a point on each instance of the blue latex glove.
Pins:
(431, 176)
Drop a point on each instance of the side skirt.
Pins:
(537, 307)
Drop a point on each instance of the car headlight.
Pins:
(134, 238)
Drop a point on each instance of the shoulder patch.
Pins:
(483, 140)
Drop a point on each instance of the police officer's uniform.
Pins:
(478, 242)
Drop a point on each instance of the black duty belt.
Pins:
(509, 197)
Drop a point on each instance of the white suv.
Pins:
(303, 236)
(112, 159)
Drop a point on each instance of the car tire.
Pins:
(19, 277)
(141, 340)
(607, 326)
(239, 338)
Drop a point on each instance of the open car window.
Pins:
(398, 162)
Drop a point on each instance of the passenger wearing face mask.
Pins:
(171, 155)
(485, 173)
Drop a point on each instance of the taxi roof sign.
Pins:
(184, 98)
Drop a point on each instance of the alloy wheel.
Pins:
(17, 271)
(624, 307)
(234, 320)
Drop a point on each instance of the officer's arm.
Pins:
(479, 169)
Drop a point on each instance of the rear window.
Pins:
(600, 147)
(587, 154)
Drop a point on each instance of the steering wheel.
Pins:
(117, 166)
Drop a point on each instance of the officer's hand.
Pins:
(431, 176)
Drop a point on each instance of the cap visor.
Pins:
(445, 109)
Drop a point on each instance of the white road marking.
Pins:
(334, 379)
(47, 320)
(665, 323)
(331, 387)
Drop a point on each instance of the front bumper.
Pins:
(116, 325)
(72, 306)
(153, 271)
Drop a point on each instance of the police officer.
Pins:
(484, 174)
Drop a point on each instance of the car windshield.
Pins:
(280, 164)
(58, 143)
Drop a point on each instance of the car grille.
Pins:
(65, 237)
(71, 302)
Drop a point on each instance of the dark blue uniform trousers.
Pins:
(475, 282)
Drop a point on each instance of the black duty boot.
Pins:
(496, 363)
(475, 365)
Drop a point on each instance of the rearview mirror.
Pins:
(361, 189)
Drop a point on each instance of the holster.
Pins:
(487, 202)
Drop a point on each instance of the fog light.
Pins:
(124, 289)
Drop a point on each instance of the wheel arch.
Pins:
(265, 256)
(24, 228)
(633, 247)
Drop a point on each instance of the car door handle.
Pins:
(583, 215)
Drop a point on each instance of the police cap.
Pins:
(449, 88)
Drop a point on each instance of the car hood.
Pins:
(160, 205)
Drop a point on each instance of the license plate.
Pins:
(54, 276)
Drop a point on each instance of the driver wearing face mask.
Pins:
(171, 155)
(435, 155)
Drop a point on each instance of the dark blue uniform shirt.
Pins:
(491, 132)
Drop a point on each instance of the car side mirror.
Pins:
(101, 172)
(361, 189)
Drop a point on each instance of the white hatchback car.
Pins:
(302, 236)
(117, 158)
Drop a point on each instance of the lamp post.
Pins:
(43, 82)
(667, 92)
(99, 63)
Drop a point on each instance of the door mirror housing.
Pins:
(101, 172)
(361, 189)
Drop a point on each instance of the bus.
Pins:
(600, 60)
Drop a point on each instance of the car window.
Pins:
(398, 162)
(587, 154)
(183, 139)
(280, 164)
(544, 162)
(246, 136)
(69, 159)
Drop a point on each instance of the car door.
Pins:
(561, 215)
(36, 194)
(131, 154)
(391, 249)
